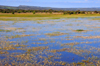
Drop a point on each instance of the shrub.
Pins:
(13, 13)
(33, 12)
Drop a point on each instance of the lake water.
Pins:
(52, 42)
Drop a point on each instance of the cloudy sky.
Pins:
(53, 3)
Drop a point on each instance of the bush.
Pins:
(13, 13)
(50, 12)
(33, 12)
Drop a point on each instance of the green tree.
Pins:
(19, 11)
(96, 12)
(33, 12)
(50, 11)
(78, 11)
(64, 12)
(82, 12)
(13, 12)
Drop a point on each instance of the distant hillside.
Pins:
(7, 7)
(46, 8)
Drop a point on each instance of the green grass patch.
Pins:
(46, 15)
(32, 17)
(55, 18)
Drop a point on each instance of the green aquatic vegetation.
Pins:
(20, 45)
(94, 58)
(69, 24)
(60, 50)
(80, 63)
(25, 56)
(52, 41)
(25, 53)
(11, 28)
(6, 36)
(18, 36)
(87, 37)
(79, 30)
(96, 19)
(55, 34)
(42, 39)
(49, 57)
(86, 61)
(9, 47)
(1, 30)
(72, 50)
(40, 42)
(39, 22)
(23, 42)
(36, 49)
(63, 63)
(19, 28)
(71, 44)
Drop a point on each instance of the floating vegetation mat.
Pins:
(50, 42)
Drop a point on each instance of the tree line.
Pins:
(46, 11)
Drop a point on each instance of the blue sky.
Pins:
(53, 3)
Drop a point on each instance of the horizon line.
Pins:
(49, 7)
